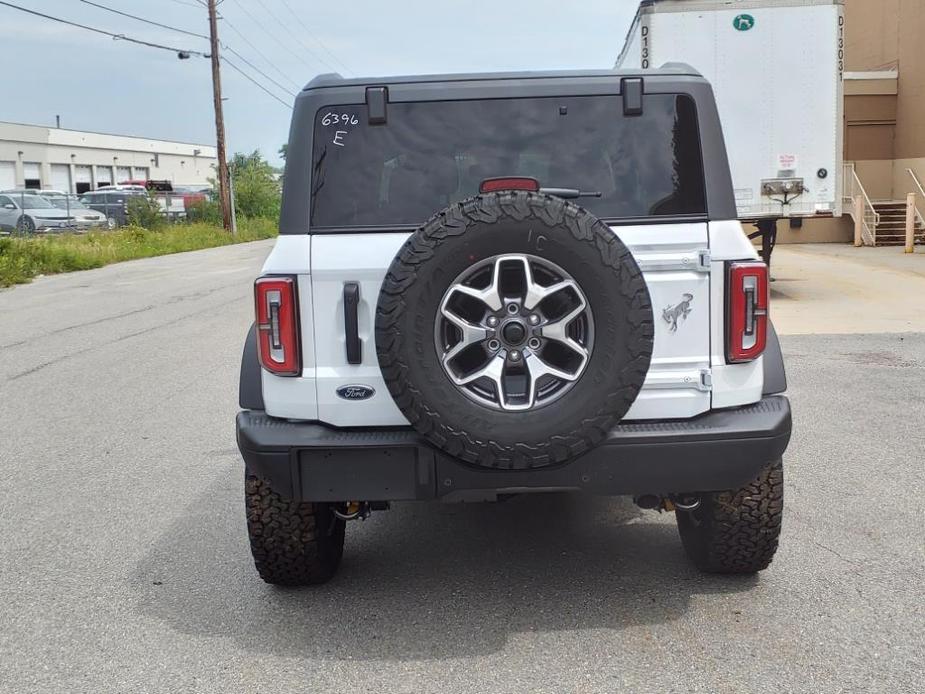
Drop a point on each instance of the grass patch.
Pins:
(21, 259)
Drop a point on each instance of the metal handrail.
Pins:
(870, 217)
(918, 183)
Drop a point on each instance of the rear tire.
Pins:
(736, 531)
(294, 543)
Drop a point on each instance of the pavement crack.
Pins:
(835, 552)
(134, 312)
(65, 357)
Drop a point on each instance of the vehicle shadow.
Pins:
(427, 581)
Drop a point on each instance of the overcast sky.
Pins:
(96, 83)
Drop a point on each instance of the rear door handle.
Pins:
(351, 323)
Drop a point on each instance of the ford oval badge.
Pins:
(355, 392)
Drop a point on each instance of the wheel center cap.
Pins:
(514, 333)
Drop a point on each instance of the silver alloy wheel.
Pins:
(514, 332)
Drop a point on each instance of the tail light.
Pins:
(278, 325)
(747, 311)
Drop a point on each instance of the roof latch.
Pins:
(376, 100)
(632, 88)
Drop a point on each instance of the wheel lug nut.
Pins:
(515, 355)
(492, 321)
(534, 343)
(513, 309)
(534, 319)
(494, 345)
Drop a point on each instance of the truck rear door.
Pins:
(374, 184)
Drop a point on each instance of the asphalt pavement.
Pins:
(124, 564)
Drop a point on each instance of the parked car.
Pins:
(194, 194)
(111, 202)
(84, 217)
(157, 186)
(173, 203)
(536, 283)
(125, 186)
(27, 213)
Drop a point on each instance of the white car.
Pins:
(488, 285)
(125, 186)
(27, 213)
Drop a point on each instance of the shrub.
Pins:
(144, 211)
(256, 188)
(207, 211)
(23, 259)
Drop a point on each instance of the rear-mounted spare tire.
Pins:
(513, 330)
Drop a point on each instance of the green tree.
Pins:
(256, 185)
(283, 151)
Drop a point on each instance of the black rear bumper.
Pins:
(719, 450)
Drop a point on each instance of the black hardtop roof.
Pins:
(669, 70)
(332, 90)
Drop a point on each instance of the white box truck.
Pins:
(776, 69)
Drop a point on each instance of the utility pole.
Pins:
(223, 181)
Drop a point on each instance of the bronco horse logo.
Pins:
(673, 313)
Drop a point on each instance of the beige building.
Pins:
(884, 116)
(33, 156)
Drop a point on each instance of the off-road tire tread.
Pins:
(294, 543)
(737, 531)
(454, 221)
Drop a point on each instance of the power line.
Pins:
(295, 36)
(254, 82)
(146, 21)
(284, 44)
(189, 33)
(257, 69)
(257, 51)
(315, 38)
(123, 37)
(120, 37)
(272, 37)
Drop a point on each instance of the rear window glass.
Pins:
(431, 154)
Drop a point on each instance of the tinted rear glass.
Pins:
(430, 154)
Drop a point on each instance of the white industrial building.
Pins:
(35, 156)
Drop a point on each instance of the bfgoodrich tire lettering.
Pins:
(736, 531)
(514, 223)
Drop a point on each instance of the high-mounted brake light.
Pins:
(493, 185)
(747, 311)
(278, 325)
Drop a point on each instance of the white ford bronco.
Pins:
(499, 284)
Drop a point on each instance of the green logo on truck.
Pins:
(743, 22)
